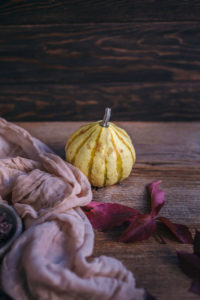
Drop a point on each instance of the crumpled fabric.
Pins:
(50, 258)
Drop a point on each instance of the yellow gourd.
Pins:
(102, 151)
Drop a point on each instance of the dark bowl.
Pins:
(14, 219)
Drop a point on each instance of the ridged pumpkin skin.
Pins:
(104, 154)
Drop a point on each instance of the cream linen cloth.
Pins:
(49, 259)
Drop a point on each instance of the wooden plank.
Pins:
(156, 143)
(59, 11)
(154, 266)
(74, 54)
(167, 151)
(129, 102)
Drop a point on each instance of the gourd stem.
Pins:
(106, 118)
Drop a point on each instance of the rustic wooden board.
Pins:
(59, 11)
(129, 101)
(166, 151)
(100, 53)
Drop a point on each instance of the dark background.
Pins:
(67, 60)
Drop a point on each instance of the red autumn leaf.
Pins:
(197, 243)
(92, 204)
(181, 232)
(140, 228)
(157, 198)
(190, 264)
(195, 288)
(160, 238)
(105, 216)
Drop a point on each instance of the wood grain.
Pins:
(59, 11)
(167, 151)
(157, 143)
(133, 102)
(158, 52)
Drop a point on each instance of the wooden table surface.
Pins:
(166, 151)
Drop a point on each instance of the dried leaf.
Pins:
(195, 287)
(160, 239)
(181, 232)
(141, 228)
(2, 217)
(157, 198)
(5, 228)
(92, 204)
(105, 216)
(197, 243)
(190, 264)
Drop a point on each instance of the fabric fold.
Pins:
(49, 259)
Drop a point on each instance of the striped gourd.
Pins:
(102, 151)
